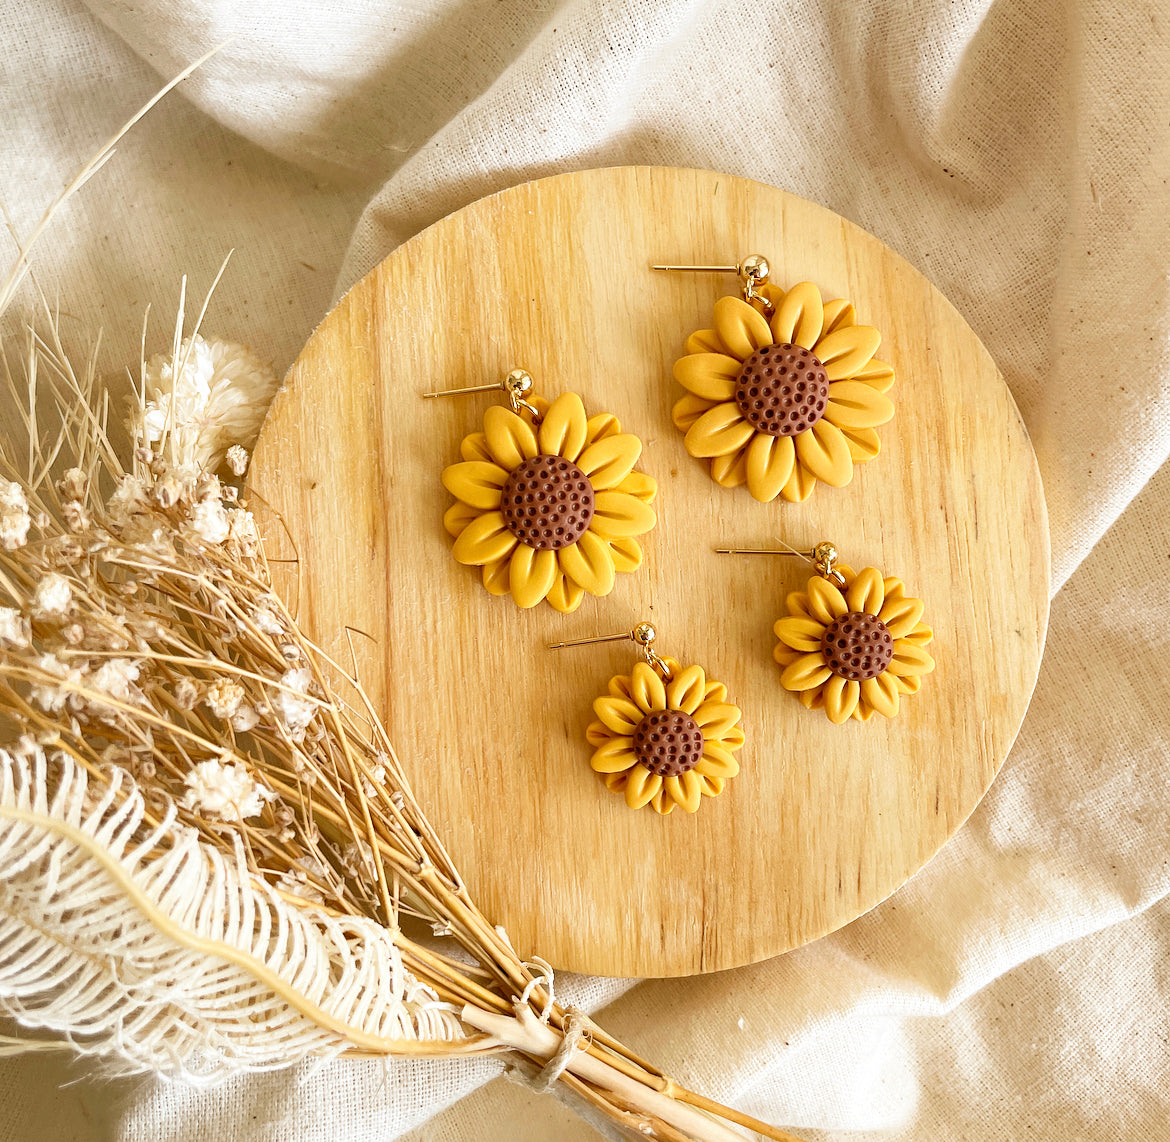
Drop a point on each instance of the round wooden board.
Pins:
(823, 821)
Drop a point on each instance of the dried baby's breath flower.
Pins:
(210, 521)
(213, 396)
(117, 677)
(244, 719)
(14, 517)
(186, 693)
(72, 485)
(51, 696)
(226, 792)
(294, 707)
(224, 698)
(128, 500)
(236, 458)
(266, 621)
(53, 598)
(15, 633)
(75, 515)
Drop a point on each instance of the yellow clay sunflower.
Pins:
(853, 651)
(665, 743)
(780, 405)
(550, 511)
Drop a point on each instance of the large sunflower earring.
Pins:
(784, 390)
(852, 643)
(548, 503)
(666, 734)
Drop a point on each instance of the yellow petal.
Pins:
(484, 540)
(908, 683)
(619, 686)
(715, 718)
(730, 471)
(785, 655)
(877, 374)
(532, 575)
(867, 592)
(800, 485)
(853, 404)
(614, 756)
(510, 438)
(909, 659)
(719, 431)
(796, 603)
(608, 462)
(845, 351)
(685, 790)
(474, 447)
(768, 462)
(841, 697)
(800, 633)
(708, 375)
(838, 314)
(600, 426)
(740, 327)
(647, 689)
(563, 430)
(732, 739)
(687, 410)
(496, 576)
(901, 614)
(824, 452)
(864, 443)
(619, 714)
(773, 293)
(661, 803)
(640, 485)
(704, 341)
(685, 691)
(565, 596)
(589, 564)
(618, 516)
(641, 786)
(825, 602)
(806, 672)
(476, 483)
(920, 635)
(626, 554)
(458, 516)
(880, 694)
(596, 733)
(801, 317)
(717, 762)
(712, 786)
(715, 692)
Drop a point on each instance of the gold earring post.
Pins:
(517, 386)
(822, 557)
(643, 634)
(753, 272)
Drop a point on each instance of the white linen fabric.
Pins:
(1017, 152)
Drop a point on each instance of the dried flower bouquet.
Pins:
(210, 858)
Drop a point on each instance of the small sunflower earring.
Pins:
(784, 390)
(851, 643)
(548, 502)
(666, 734)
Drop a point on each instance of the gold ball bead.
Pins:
(644, 634)
(518, 381)
(755, 268)
(825, 552)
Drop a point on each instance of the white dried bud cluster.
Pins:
(293, 705)
(224, 791)
(224, 698)
(15, 632)
(52, 598)
(14, 517)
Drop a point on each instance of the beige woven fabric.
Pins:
(1017, 152)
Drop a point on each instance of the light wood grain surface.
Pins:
(823, 821)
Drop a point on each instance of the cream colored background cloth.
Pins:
(1017, 151)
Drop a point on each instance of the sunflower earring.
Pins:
(852, 643)
(666, 734)
(784, 390)
(548, 503)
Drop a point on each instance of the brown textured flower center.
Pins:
(782, 390)
(548, 503)
(668, 742)
(857, 646)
